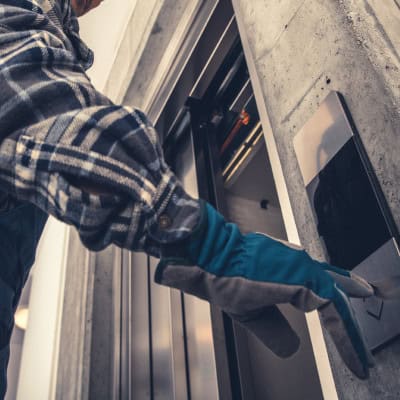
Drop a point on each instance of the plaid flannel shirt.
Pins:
(59, 135)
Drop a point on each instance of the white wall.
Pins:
(40, 348)
(103, 29)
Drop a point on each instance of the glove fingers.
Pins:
(387, 289)
(352, 284)
(271, 327)
(338, 319)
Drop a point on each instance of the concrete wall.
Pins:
(302, 50)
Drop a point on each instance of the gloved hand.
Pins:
(247, 275)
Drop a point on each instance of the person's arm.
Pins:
(72, 152)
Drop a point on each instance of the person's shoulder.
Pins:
(53, 21)
(23, 11)
(38, 6)
(27, 16)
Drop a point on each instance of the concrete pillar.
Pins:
(300, 50)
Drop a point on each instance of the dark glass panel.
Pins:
(349, 219)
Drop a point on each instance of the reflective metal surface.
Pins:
(321, 137)
(200, 346)
(162, 350)
(166, 344)
(351, 213)
(139, 349)
(178, 340)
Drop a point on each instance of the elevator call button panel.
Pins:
(352, 217)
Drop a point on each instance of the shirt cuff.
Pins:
(175, 214)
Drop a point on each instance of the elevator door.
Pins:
(234, 174)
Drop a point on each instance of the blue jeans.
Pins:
(21, 225)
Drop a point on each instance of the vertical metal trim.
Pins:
(186, 350)
(206, 186)
(126, 327)
(178, 350)
(138, 330)
(162, 346)
(117, 321)
(151, 359)
(90, 262)
(73, 372)
(195, 322)
(233, 356)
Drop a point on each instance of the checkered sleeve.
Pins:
(60, 136)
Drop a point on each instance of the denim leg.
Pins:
(21, 225)
(6, 324)
(4, 357)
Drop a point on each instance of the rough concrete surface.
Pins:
(161, 35)
(304, 49)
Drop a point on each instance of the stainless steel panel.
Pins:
(203, 378)
(266, 376)
(200, 346)
(162, 349)
(124, 386)
(178, 336)
(315, 145)
(263, 375)
(242, 98)
(140, 334)
(116, 325)
(105, 318)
